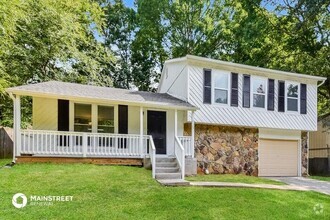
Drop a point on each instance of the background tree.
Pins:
(119, 33)
(50, 39)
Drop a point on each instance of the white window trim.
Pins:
(252, 93)
(94, 115)
(286, 97)
(213, 88)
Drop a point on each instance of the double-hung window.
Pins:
(292, 96)
(221, 87)
(259, 88)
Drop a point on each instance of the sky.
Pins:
(129, 3)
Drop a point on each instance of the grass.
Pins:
(118, 192)
(324, 178)
(233, 179)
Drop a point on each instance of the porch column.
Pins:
(193, 134)
(176, 123)
(17, 125)
(141, 131)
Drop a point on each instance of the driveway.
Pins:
(311, 184)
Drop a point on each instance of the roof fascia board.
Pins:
(96, 100)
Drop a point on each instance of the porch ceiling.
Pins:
(80, 92)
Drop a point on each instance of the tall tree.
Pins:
(119, 33)
(51, 39)
(307, 25)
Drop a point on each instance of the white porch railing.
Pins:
(180, 155)
(186, 143)
(82, 144)
(152, 155)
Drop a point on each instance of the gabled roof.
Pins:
(74, 91)
(242, 68)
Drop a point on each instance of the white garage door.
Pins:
(278, 158)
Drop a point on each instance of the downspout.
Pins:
(321, 83)
(307, 168)
(14, 147)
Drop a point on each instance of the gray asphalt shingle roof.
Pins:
(74, 90)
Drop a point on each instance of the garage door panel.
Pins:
(278, 158)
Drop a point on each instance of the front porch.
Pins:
(87, 128)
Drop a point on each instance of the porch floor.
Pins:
(91, 160)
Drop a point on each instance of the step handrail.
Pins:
(152, 156)
(180, 155)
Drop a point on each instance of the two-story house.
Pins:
(207, 115)
(249, 120)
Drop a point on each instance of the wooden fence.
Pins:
(6, 142)
(320, 165)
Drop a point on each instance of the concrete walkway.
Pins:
(294, 183)
(246, 185)
(307, 183)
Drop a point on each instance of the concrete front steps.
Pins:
(168, 172)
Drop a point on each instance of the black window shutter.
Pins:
(207, 87)
(281, 96)
(123, 119)
(303, 99)
(246, 91)
(122, 124)
(234, 89)
(271, 90)
(62, 120)
(62, 115)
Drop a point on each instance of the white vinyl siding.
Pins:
(174, 81)
(239, 116)
(44, 114)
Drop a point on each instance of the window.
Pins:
(221, 88)
(292, 97)
(259, 92)
(105, 122)
(82, 117)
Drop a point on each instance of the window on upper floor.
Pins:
(221, 87)
(259, 88)
(292, 97)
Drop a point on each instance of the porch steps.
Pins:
(168, 172)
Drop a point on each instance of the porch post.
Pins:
(141, 131)
(17, 125)
(176, 123)
(193, 134)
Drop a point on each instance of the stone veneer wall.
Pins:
(233, 150)
(304, 154)
(224, 149)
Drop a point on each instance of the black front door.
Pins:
(157, 129)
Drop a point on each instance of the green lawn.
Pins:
(324, 178)
(233, 178)
(118, 192)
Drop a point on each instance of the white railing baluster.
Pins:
(186, 143)
(62, 143)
